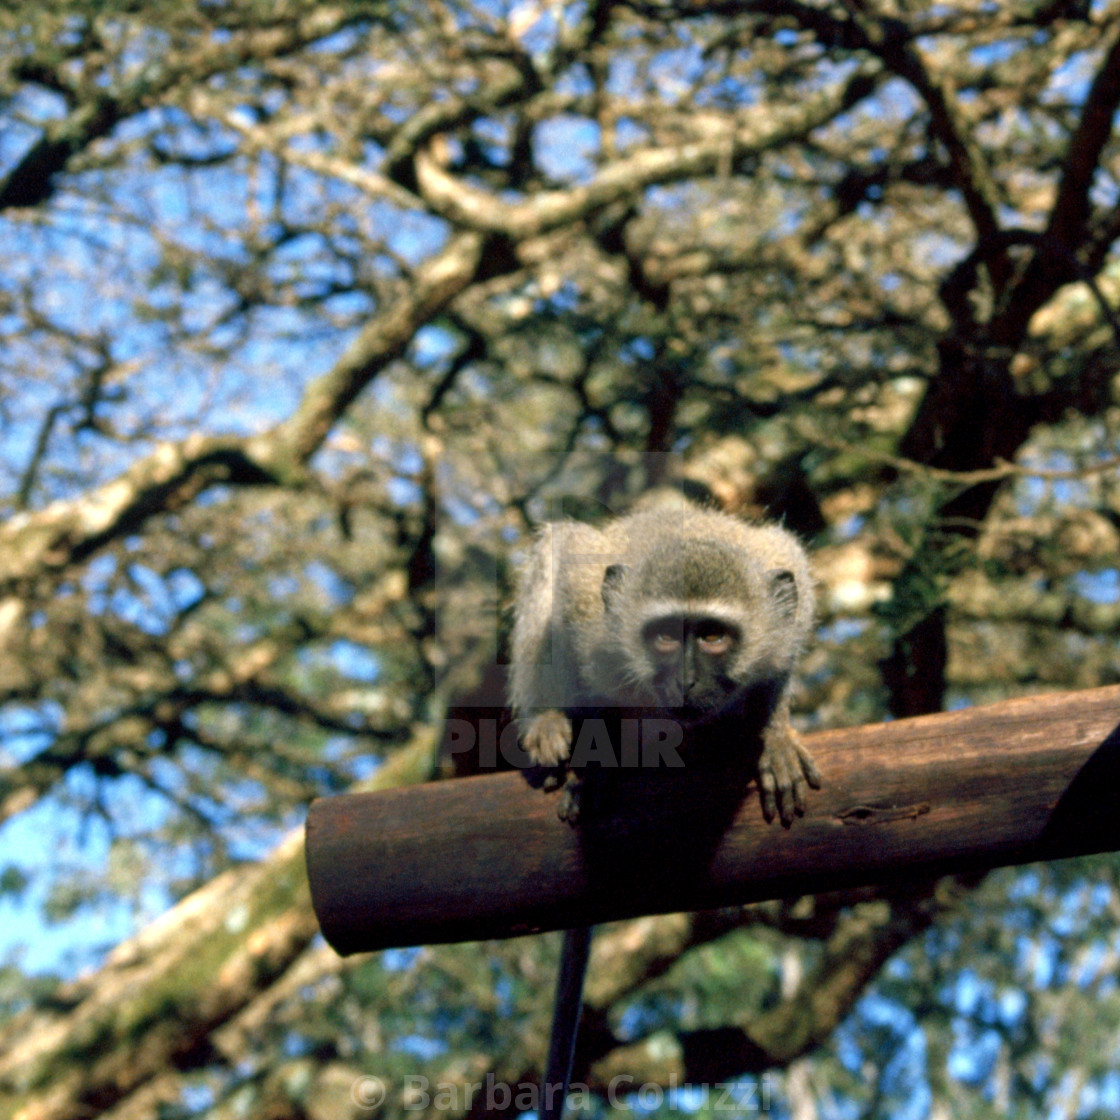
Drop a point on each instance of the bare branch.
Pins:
(1069, 216)
(474, 208)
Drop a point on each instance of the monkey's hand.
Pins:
(548, 743)
(786, 770)
(548, 738)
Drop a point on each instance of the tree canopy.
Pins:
(310, 311)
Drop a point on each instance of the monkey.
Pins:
(686, 613)
(683, 612)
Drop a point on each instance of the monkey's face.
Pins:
(693, 627)
(689, 662)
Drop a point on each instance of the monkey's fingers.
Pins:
(548, 738)
(568, 809)
(767, 788)
(554, 779)
(792, 800)
(786, 771)
(783, 791)
(808, 766)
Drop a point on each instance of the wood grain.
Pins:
(486, 856)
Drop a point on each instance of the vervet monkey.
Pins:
(677, 612)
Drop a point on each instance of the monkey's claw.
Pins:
(548, 739)
(786, 772)
(553, 779)
(568, 809)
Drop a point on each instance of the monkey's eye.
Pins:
(663, 639)
(714, 637)
(716, 642)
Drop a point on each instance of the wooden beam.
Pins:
(480, 857)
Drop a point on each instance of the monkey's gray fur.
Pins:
(681, 611)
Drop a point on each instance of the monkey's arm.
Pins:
(786, 769)
(543, 674)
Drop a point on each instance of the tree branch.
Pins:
(68, 531)
(1069, 216)
(487, 856)
(865, 937)
(890, 41)
(474, 208)
(150, 1009)
(32, 180)
(436, 283)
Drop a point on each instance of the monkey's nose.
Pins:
(672, 692)
(690, 692)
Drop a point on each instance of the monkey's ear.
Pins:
(612, 583)
(783, 590)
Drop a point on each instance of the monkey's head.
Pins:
(697, 623)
